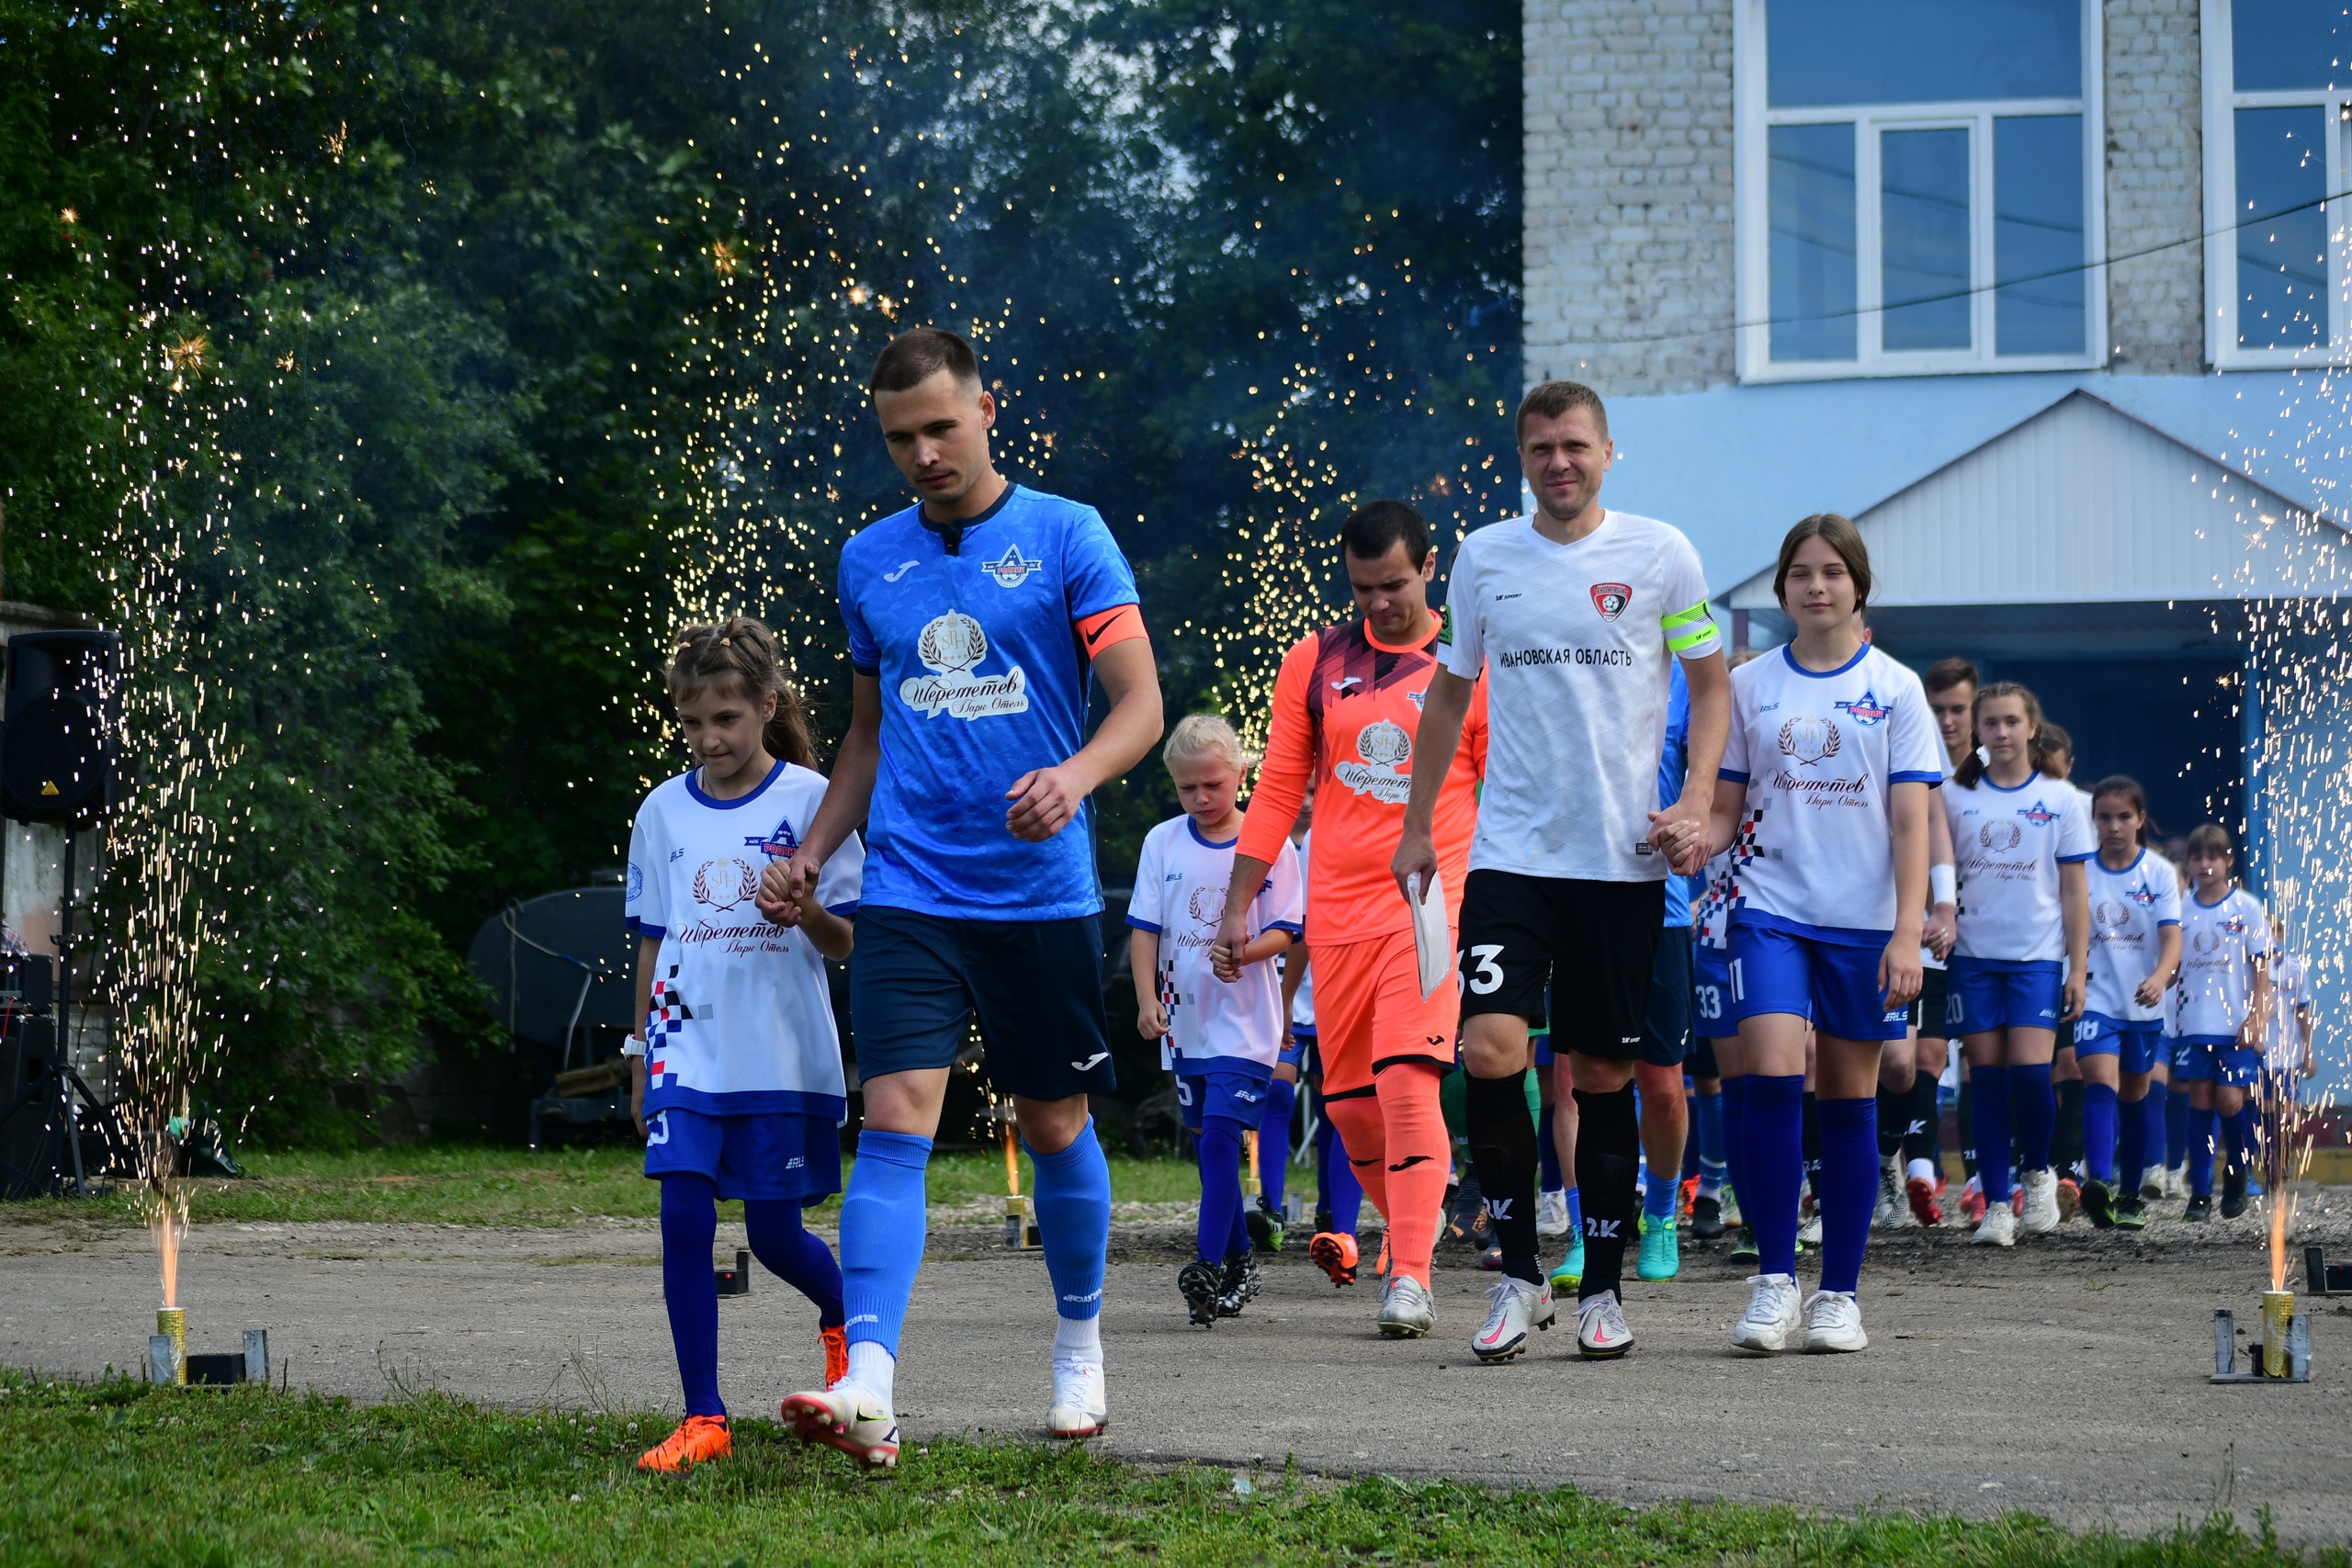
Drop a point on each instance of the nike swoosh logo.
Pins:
(1097, 634)
(1092, 1062)
(904, 568)
(1411, 1163)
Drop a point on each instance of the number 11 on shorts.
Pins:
(1738, 988)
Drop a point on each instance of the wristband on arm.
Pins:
(1943, 884)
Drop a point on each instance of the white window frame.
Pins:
(2222, 100)
(1752, 118)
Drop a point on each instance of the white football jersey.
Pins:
(1710, 910)
(2130, 910)
(1576, 642)
(1181, 880)
(2289, 997)
(741, 1020)
(2007, 846)
(2219, 946)
(1818, 752)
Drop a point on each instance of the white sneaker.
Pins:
(1405, 1310)
(1602, 1334)
(1832, 1323)
(1809, 1233)
(1893, 1200)
(2040, 1213)
(1513, 1307)
(1079, 1409)
(2176, 1181)
(1999, 1227)
(1552, 1215)
(2151, 1184)
(850, 1419)
(1771, 1316)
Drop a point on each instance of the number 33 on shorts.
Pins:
(1478, 972)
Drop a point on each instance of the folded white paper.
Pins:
(1434, 954)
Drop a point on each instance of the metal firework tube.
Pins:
(171, 1324)
(2277, 1322)
(1015, 1212)
(1252, 1187)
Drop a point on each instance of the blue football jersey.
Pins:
(985, 676)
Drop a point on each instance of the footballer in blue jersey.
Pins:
(979, 620)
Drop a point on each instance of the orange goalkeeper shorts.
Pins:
(1369, 1012)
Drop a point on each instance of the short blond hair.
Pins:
(1197, 734)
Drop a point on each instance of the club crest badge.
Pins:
(778, 845)
(1610, 599)
(1999, 836)
(1205, 905)
(1809, 740)
(952, 645)
(2038, 814)
(726, 882)
(1384, 749)
(1865, 710)
(1012, 569)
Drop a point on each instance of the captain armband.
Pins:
(1120, 623)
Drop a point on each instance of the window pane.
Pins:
(1813, 242)
(2037, 233)
(1910, 51)
(1923, 210)
(2290, 43)
(2282, 255)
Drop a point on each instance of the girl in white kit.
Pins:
(2119, 1041)
(2224, 1008)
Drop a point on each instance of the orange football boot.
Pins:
(836, 1340)
(1334, 1252)
(699, 1440)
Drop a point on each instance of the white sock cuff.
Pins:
(1080, 1339)
(1922, 1170)
(873, 1369)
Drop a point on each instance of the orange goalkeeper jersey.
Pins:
(1346, 708)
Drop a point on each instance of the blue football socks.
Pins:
(1074, 1221)
(1219, 1144)
(883, 1223)
(2098, 1131)
(795, 1255)
(1707, 1133)
(1988, 1098)
(2201, 1130)
(689, 1288)
(1736, 1139)
(1273, 1140)
(1850, 1167)
(2034, 1105)
(1690, 1136)
(2131, 1140)
(1657, 1198)
(1774, 1116)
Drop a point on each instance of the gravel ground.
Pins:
(2066, 1378)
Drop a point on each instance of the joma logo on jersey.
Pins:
(2038, 814)
(1385, 748)
(1610, 599)
(1012, 569)
(1865, 710)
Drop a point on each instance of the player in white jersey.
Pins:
(2134, 955)
(1220, 1035)
(2224, 1008)
(2288, 1041)
(2054, 755)
(736, 1081)
(2018, 968)
(1822, 804)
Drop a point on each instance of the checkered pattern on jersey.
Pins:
(666, 1018)
(1743, 851)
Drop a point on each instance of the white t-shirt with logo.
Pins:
(1818, 752)
(2219, 944)
(1302, 1003)
(741, 1021)
(2007, 846)
(1575, 640)
(2290, 997)
(1181, 880)
(2130, 910)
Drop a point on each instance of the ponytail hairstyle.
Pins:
(2049, 742)
(2137, 798)
(1970, 771)
(739, 651)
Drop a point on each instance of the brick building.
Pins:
(2044, 294)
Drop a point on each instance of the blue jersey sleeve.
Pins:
(1095, 575)
(1671, 762)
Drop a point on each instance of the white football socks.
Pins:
(1921, 1170)
(1080, 1339)
(873, 1369)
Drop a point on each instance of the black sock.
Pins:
(1892, 1103)
(1609, 1150)
(1967, 1126)
(2066, 1145)
(1810, 1133)
(1925, 1118)
(1503, 1152)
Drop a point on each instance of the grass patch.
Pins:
(472, 1185)
(118, 1473)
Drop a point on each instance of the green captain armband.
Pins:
(1685, 629)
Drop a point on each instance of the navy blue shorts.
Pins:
(2135, 1046)
(1239, 1096)
(1666, 1031)
(1036, 986)
(772, 1155)
(1985, 994)
(1834, 984)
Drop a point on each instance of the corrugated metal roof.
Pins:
(2079, 506)
(1732, 466)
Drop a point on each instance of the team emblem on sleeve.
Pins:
(1809, 740)
(1012, 569)
(1610, 599)
(1865, 710)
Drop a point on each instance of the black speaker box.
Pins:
(61, 728)
(30, 1141)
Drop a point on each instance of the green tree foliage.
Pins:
(442, 328)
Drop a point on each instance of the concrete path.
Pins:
(2067, 1378)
